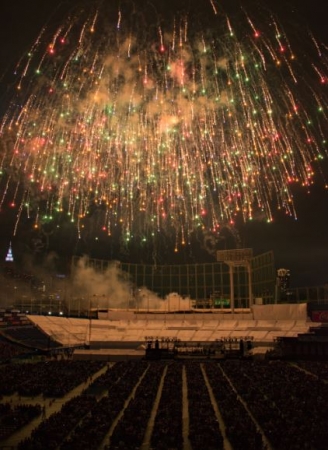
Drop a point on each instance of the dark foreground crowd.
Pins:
(255, 404)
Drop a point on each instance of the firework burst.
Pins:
(170, 123)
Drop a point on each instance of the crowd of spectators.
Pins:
(317, 368)
(50, 378)
(12, 417)
(92, 430)
(284, 398)
(52, 431)
(106, 381)
(204, 430)
(131, 427)
(250, 402)
(241, 430)
(64, 428)
(167, 431)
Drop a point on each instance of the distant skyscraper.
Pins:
(283, 279)
(9, 257)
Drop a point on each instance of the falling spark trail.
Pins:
(169, 126)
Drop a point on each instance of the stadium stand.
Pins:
(133, 327)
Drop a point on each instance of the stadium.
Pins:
(163, 372)
(106, 309)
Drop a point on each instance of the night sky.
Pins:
(300, 245)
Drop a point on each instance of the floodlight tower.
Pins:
(240, 257)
